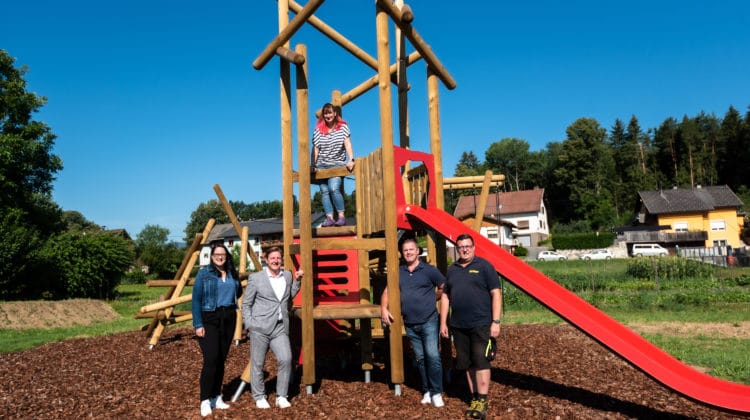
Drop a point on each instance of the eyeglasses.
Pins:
(220, 255)
(465, 247)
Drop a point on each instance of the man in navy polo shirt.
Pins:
(474, 298)
(421, 286)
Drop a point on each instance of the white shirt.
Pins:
(278, 283)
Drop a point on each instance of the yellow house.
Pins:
(711, 215)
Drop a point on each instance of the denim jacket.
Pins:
(205, 293)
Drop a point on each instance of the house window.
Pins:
(680, 227)
(721, 243)
(492, 233)
(718, 225)
(523, 224)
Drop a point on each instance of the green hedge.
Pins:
(582, 240)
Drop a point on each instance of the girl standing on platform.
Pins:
(332, 147)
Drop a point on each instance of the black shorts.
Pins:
(471, 344)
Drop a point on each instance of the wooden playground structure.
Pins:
(373, 242)
(396, 187)
(340, 263)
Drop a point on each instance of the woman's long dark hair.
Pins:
(228, 261)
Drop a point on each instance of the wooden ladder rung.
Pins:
(343, 311)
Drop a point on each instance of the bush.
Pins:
(520, 251)
(84, 265)
(583, 240)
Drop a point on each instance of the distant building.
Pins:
(510, 218)
(701, 216)
(119, 232)
(262, 233)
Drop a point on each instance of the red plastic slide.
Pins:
(615, 336)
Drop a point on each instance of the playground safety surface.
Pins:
(541, 371)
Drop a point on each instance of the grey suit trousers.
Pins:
(278, 341)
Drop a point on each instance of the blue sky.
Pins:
(154, 102)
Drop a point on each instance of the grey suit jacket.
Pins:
(260, 307)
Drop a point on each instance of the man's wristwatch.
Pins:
(496, 321)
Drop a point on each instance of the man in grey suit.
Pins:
(265, 311)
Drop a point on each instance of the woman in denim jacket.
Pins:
(215, 292)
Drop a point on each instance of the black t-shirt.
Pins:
(468, 289)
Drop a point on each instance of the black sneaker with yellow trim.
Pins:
(472, 407)
(479, 410)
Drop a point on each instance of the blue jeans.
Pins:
(424, 341)
(331, 192)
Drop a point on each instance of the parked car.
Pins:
(648, 250)
(551, 256)
(598, 254)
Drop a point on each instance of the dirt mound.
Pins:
(54, 313)
(541, 371)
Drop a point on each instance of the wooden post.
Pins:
(389, 187)
(242, 269)
(287, 163)
(305, 223)
(479, 216)
(403, 85)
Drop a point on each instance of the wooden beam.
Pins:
(418, 43)
(342, 311)
(340, 244)
(465, 186)
(478, 179)
(373, 81)
(166, 304)
(321, 174)
(167, 283)
(235, 223)
(483, 200)
(336, 37)
(160, 315)
(286, 33)
(290, 55)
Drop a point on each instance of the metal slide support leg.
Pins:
(237, 393)
(397, 390)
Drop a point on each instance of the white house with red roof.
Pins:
(519, 216)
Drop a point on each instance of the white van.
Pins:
(648, 250)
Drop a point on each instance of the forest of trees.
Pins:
(592, 178)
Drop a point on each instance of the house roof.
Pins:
(514, 202)
(119, 232)
(259, 227)
(685, 200)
